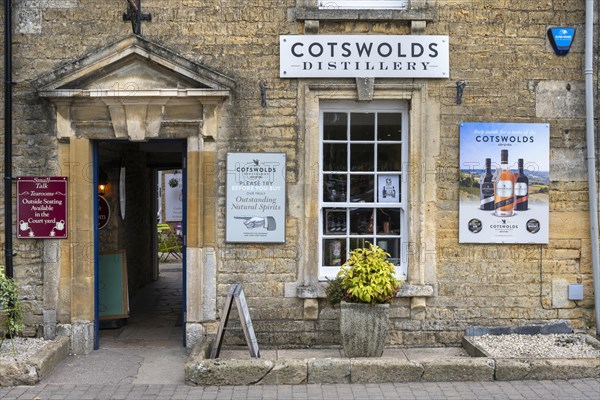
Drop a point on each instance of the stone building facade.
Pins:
(89, 93)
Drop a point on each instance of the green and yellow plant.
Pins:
(10, 306)
(366, 277)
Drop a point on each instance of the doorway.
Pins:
(140, 291)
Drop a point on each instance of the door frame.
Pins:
(96, 168)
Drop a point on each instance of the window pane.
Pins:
(334, 221)
(362, 126)
(391, 246)
(389, 157)
(334, 252)
(362, 157)
(335, 157)
(388, 221)
(361, 188)
(334, 188)
(335, 126)
(356, 243)
(388, 188)
(361, 221)
(389, 126)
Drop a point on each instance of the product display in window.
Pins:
(335, 221)
(334, 253)
(363, 183)
(361, 221)
(334, 188)
(362, 188)
(388, 221)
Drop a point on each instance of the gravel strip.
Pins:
(25, 348)
(536, 346)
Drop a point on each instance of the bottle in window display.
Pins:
(486, 187)
(504, 189)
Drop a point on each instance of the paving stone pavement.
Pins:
(144, 360)
(573, 389)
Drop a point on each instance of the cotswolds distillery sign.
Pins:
(363, 56)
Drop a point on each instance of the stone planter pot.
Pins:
(363, 328)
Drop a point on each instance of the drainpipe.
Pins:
(8, 242)
(591, 152)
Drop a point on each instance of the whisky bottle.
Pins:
(521, 189)
(486, 187)
(504, 189)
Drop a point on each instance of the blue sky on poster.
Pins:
(481, 140)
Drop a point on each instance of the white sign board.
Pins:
(255, 198)
(364, 56)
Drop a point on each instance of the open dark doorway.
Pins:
(140, 289)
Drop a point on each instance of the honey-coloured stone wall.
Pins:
(499, 48)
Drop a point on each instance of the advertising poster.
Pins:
(504, 178)
(42, 207)
(173, 197)
(255, 198)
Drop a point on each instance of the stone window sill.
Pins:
(406, 291)
(309, 13)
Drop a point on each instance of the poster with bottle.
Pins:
(503, 184)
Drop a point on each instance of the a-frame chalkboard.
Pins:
(236, 292)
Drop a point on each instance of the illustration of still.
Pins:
(504, 192)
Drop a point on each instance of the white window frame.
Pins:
(383, 106)
(363, 4)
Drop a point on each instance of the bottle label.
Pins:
(504, 189)
(487, 189)
(521, 189)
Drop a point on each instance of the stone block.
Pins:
(227, 372)
(311, 309)
(193, 333)
(468, 369)
(328, 370)
(546, 369)
(383, 370)
(15, 374)
(82, 339)
(40, 364)
(49, 356)
(560, 98)
(49, 324)
(286, 372)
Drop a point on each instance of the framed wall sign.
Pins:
(504, 182)
(255, 205)
(42, 207)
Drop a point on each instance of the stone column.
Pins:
(81, 240)
(201, 228)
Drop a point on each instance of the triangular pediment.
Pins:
(134, 64)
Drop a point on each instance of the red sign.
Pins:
(103, 212)
(42, 207)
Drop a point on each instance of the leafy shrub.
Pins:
(366, 277)
(10, 305)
